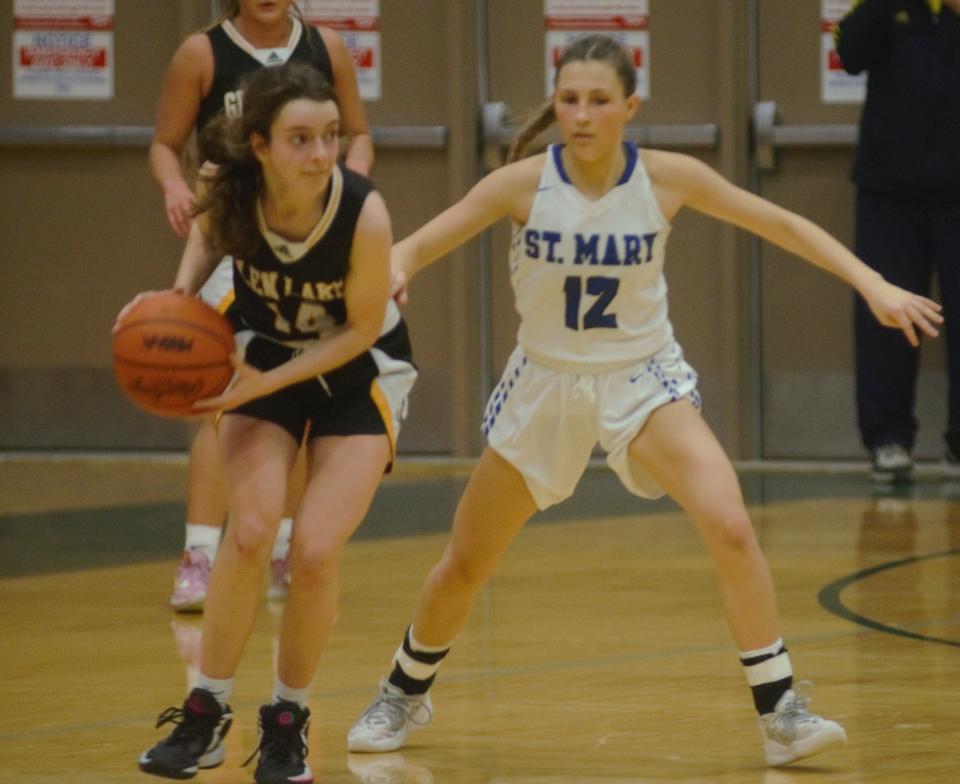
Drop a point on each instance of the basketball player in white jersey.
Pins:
(205, 79)
(597, 361)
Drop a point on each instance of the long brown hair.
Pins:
(226, 141)
(588, 48)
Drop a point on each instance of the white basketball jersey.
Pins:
(588, 275)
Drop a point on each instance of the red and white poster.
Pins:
(358, 23)
(63, 49)
(626, 20)
(836, 85)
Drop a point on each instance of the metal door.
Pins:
(805, 348)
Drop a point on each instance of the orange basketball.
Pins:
(171, 350)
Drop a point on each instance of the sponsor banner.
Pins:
(627, 21)
(358, 23)
(63, 49)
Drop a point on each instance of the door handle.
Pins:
(498, 133)
(768, 135)
(400, 137)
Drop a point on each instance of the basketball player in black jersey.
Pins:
(203, 80)
(324, 351)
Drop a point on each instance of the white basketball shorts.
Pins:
(546, 422)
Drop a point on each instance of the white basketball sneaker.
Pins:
(392, 716)
(791, 732)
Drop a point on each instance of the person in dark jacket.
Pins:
(907, 173)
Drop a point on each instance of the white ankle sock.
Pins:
(281, 545)
(284, 693)
(220, 688)
(205, 538)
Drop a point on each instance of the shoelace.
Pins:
(801, 696)
(185, 730)
(794, 712)
(192, 570)
(287, 744)
(390, 708)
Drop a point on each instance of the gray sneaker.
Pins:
(392, 716)
(892, 463)
(791, 732)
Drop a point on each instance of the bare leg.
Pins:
(494, 507)
(257, 457)
(296, 483)
(344, 473)
(678, 448)
(206, 486)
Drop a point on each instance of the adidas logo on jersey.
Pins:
(274, 59)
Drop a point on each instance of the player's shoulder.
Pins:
(354, 182)
(330, 37)
(524, 172)
(195, 45)
(666, 166)
(194, 54)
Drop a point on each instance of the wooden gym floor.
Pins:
(597, 655)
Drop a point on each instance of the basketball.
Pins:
(171, 350)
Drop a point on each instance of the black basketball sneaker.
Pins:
(196, 742)
(283, 745)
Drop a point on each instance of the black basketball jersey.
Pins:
(294, 291)
(234, 60)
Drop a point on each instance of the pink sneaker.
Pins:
(190, 584)
(279, 579)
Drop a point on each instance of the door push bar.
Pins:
(401, 137)
(768, 135)
(497, 134)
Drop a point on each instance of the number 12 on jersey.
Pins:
(604, 289)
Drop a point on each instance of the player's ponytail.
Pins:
(536, 124)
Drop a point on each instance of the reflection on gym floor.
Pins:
(596, 654)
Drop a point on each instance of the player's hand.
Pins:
(901, 309)
(247, 384)
(178, 202)
(135, 301)
(130, 306)
(398, 286)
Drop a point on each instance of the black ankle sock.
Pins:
(767, 695)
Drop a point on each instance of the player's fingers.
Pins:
(930, 310)
(919, 314)
(906, 325)
(208, 404)
(177, 222)
(929, 303)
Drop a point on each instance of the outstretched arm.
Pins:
(682, 180)
(508, 191)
